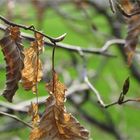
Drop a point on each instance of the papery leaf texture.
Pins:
(32, 72)
(56, 123)
(13, 54)
(133, 29)
(127, 5)
(33, 111)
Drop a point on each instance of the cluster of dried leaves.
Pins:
(56, 123)
(21, 64)
(24, 64)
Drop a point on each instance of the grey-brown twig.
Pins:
(111, 42)
(32, 28)
(16, 118)
(123, 102)
(112, 6)
(68, 47)
(100, 101)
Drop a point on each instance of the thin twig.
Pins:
(53, 65)
(31, 28)
(123, 102)
(53, 57)
(111, 104)
(120, 100)
(24, 105)
(16, 118)
(68, 47)
(100, 101)
(112, 6)
(85, 77)
(36, 73)
(109, 43)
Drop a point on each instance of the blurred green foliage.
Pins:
(109, 81)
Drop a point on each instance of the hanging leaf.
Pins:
(56, 123)
(32, 72)
(13, 55)
(33, 111)
(133, 29)
(127, 5)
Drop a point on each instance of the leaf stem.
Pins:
(37, 63)
(53, 63)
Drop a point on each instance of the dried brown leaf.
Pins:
(13, 55)
(56, 123)
(133, 30)
(127, 5)
(33, 111)
(32, 72)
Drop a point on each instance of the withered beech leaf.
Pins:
(127, 5)
(32, 72)
(33, 111)
(126, 86)
(56, 123)
(13, 54)
(133, 30)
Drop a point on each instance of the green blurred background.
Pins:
(110, 73)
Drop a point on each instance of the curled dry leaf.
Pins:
(56, 123)
(133, 29)
(32, 72)
(13, 55)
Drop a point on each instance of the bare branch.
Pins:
(66, 46)
(24, 105)
(95, 91)
(109, 43)
(16, 118)
(112, 6)
(116, 102)
(32, 28)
